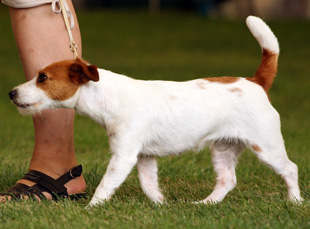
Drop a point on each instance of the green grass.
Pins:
(172, 46)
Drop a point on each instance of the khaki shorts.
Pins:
(24, 3)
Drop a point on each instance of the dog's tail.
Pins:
(270, 47)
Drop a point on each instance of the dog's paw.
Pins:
(95, 201)
(296, 200)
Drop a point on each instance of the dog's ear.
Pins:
(80, 72)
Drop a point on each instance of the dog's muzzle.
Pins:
(13, 96)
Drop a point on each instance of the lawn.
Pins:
(172, 46)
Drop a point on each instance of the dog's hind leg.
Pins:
(147, 168)
(224, 157)
(274, 155)
(268, 145)
(117, 171)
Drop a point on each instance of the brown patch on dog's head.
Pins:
(224, 80)
(62, 79)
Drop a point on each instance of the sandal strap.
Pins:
(45, 183)
(36, 190)
(72, 174)
(15, 191)
(19, 189)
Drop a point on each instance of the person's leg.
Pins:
(41, 39)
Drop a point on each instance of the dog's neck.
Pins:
(101, 100)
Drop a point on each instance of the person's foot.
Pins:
(74, 186)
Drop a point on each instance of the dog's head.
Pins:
(54, 86)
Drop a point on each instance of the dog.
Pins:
(145, 119)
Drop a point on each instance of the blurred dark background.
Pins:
(213, 8)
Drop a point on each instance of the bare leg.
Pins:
(224, 158)
(41, 39)
(147, 168)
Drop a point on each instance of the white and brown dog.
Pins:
(145, 119)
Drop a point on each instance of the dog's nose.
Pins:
(12, 94)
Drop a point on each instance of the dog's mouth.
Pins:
(23, 106)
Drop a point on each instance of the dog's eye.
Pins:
(42, 77)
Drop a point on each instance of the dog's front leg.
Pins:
(118, 169)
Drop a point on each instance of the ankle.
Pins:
(52, 169)
(76, 185)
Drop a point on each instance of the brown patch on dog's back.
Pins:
(65, 77)
(236, 90)
(201, 84)
(256, 148)
(223, 80)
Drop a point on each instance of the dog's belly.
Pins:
(176, 140)
(167, 147)
(177, 144)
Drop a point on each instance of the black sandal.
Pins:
(45, 183)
